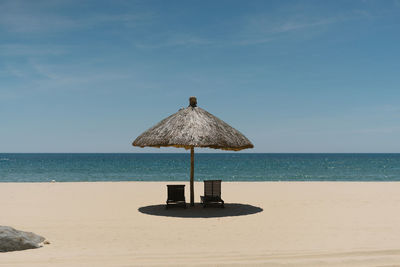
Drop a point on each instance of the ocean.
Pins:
(46, 167)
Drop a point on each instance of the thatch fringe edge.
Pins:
(189, 147)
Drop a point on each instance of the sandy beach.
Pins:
(263, 224)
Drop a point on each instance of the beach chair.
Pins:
(212, 193)
(176, 195)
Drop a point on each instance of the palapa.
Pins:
(193, 127)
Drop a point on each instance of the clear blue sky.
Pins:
(293, 76)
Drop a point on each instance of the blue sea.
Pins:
(176, 167)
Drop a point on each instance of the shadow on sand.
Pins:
(231, 209)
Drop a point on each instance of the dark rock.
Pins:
(11, 239)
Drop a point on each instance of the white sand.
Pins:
(302, 224)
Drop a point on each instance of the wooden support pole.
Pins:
(192, 176)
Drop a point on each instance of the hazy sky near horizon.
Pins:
(293, 76)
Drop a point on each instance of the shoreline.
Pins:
(201, 182)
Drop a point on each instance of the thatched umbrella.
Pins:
(193, 127)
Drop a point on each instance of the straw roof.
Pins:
(193, 127)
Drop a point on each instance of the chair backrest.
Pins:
(176, 192)
(212, 188)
